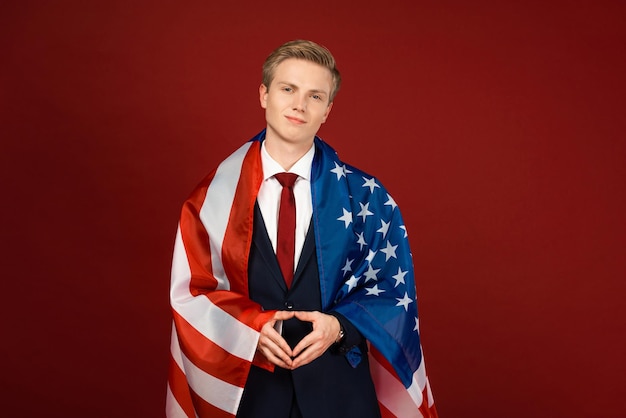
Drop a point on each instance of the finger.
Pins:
(276, 351)
(307, 356)
(284, 362)
(283, 315)
(275, 342)
(308, 316)
(303, 344)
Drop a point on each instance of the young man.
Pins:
(292, 280)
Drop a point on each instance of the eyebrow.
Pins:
(296, 87)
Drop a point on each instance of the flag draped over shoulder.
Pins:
(366, 274)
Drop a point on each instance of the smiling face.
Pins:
(296, 102)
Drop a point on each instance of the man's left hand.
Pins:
(325, 331)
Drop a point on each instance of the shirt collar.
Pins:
(302, 167)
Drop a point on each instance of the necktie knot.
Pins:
(286, 179)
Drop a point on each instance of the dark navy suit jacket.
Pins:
(329, 386)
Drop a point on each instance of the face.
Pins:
(296, 102)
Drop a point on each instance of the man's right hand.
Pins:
(272, 345)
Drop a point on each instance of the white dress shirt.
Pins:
(269, 197)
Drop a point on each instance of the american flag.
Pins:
(366, 274)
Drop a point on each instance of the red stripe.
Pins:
(208, 356)
(238, 234)
(207, 410)
(383, 362)
(384, 412)
(242, 308)
(196, 241)
(424, 409)
(180, 388)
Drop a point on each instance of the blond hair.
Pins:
(305, 50)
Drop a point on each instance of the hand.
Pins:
(272, 345)
(325, 331)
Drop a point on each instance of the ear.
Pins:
(328, 109)
(263, 96)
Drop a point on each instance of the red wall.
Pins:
(498, 126)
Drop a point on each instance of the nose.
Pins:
(299, 102)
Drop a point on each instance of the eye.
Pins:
(316, 97)
(287, 89)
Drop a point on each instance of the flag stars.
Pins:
(374, 291)
(390, 251)
(384, 227)
(352, 282)
(370, 256)
(402, 227)
(390, 202)
(346, 218)
(417, 325)
(348, 267)
(370, 274)
(364, 211)
(399, 277)
(361, 240)
(340, 170)
(371, 183)
(404, 301)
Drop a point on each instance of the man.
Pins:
(292, 281)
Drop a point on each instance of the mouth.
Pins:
(295, 120)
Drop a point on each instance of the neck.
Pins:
(286, 154)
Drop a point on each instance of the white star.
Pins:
(370, 274)
(364, 211)
(390, 202)
(370, 256)
(338, 170)
(352, 282)
(417, 325)
(347, 267)
(404, 229)
(346, 217)
(404, 301)
(374, 290)
(383, 228)
(390, 251)
(371, 183)
(361, 240)
(399, 277)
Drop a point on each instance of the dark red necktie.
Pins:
(286, 240)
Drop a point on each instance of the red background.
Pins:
(498, 126)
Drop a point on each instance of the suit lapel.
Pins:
(308, 250)
(264, 246)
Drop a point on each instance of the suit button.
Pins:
(289, 305)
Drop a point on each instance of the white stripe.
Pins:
(214, 323)
(392, 393)
(216, 392)
(215, 210)
(419, 383)
(172, 408)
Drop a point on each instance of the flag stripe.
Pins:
(207, 356)
(173, 409)
(205, 409)
(211, 321)
(391, 393)
(213, 390)
(238, 235)
(178, 399)
(216, 208)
